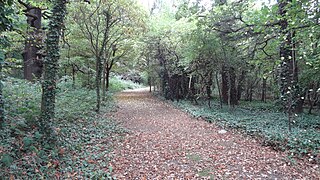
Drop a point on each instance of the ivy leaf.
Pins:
(27, 141)
(7, 160)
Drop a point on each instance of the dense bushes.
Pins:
(22, 150)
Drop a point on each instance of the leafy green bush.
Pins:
(263, 120)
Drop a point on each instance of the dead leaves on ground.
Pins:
(166, 143)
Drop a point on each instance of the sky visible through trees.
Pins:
(149, 3)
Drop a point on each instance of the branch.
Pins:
(34, 18)
(78, 69)
(88, 33)
(26, 5)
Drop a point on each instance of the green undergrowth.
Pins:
(265, 121)
(84, 137)
(117, 84)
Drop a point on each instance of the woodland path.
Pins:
(166, 143)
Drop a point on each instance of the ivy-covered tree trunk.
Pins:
(286, 69)
(288, 75)
(163, 72)
(51, 67)
(1, 95)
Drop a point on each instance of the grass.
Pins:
(265, 121)
(84, 137)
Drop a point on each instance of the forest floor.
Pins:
(164, 142)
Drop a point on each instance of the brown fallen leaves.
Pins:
(166, 143)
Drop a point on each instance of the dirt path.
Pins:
(166, 143)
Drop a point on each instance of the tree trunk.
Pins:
(2, 117)
(149, 83)
(288, 74)
(73, 76)
(50, 69)
(31, 57)
(107, 79)
(240, 84)
(264, 89)
(192, 89)
(299, 102)
(229, 92)
(287, 64)
(208, 88)
(185, 85)
(311, 103)
(88, 78)
(104, 86)
(98, 82)
(219, 90)
(224, 85)
(233, 90)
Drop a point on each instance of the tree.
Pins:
(123, 39)
(106, 26)
(256, 53)
(32, 55)
(95, 22)
(51, 66)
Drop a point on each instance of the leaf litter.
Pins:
(166, 143)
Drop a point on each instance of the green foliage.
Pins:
(68, 98)
(6, 159)
(5, 12)
(117, 84)
(109, 30)
(22, 100)
(263, 120)
(24, 154)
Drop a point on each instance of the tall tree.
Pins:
(288, 67)
(95, 21)
(32, 56)
(51, 66)
(107, 27)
